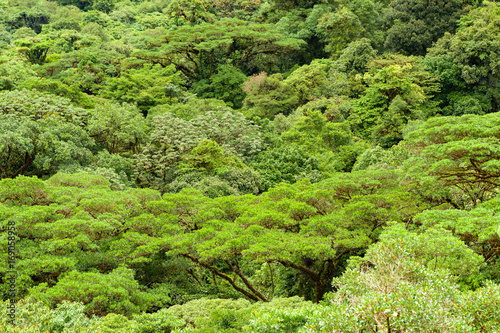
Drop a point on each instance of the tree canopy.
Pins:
(203, 166)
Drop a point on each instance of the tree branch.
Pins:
(223, 276)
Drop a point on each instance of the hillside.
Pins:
(250, 166)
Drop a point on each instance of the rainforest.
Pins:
(202, 166)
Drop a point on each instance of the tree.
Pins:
(225, 85)
(308, 229)
(56, 87)
(459, 153)
(241, 9)
(34, 50)
(303, 23)
(416, 24)
(467, 62)
(103, 5)
(285, 164)
(396, 94)
(13, 74)
(116, 292)
(317, 135)
(214, 172)
(190, 108)
(147, 86)
(41, 134)
(371, 17)
(338, 29)
(475, 227)
(190, 11)
(267, 96)
(168, 141)
(171, 139)
(330, 142)
(289, 4)
(355, 58)
(118, 128)
(34, 18)
(86, 68)
(198, 50)
(309, 82)
(208, 155)
(393, 288)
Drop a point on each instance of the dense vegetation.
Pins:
(251, 165)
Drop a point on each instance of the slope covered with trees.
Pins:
(250, 166)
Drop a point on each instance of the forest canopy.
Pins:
(249, 166)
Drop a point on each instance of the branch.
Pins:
(314, 276)
(245, 281)
(223, 276)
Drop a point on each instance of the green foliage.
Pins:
(338, 29)
(436, 249)
(33, 50)
(476, 227)
(225, 85)
(146, 86)
(317, 135)
(23, 32)
(116, 292)
(32, 316)
(309, 82)
(157, 322)
(197, 50)
(189, 11)
(38, 106)
(467, 61)
(241, 9)
(458, 153)
(118, 128)
(390, 289)
(171, 139)
(208, 155)
(68, 316)
(285, 164)
(395, 95)
(345, 157)
(371, 158)
(267, 96)
(213, 172)
(41, 147)
(279, 319)
(41, 134)
(190, 109)
(60, 89)
(338, 171)
(293, 226)
(416, 24)
(97, 30)
(371, 16)
(330, 142)
(33, 17)
(13, 74)
(122, 166)
(103, 5)
(87, 67)
(355, 58)
(73, 214)
(302, 23)
(335, 109)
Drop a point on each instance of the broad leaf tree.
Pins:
(198, 50)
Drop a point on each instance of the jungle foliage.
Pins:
(250, 166)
